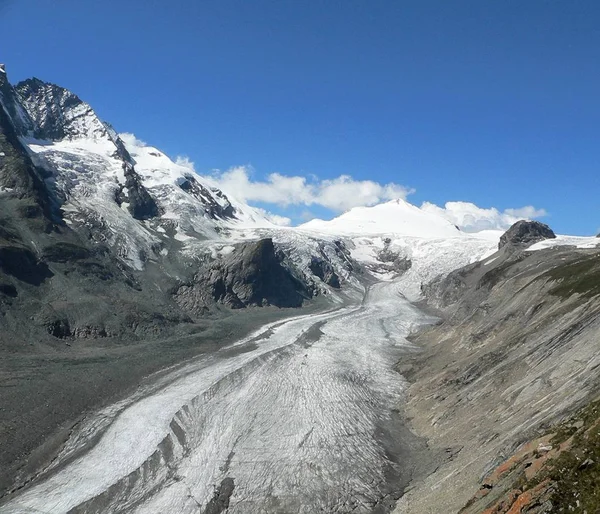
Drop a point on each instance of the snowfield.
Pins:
(576, 241)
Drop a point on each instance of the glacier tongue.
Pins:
(290, 424)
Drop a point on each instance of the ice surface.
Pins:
(292, 421)
(577, 241)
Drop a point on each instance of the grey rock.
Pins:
(141, 205)
(56, 112)
(252, 275)
(213, 209)
(503, 359)
(524, 233)
(220, 501)
(22, 264)
(19, 175)
(324, 270)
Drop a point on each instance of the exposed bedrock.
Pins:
(524, 233)
(141, 205)
(214, 209)
(252, 275)
(324, 270)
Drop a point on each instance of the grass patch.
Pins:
(579, 277)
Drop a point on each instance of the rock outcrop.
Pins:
(252, 275)
(524, 233)
(139, 202)
(58, 113)
(558, 472)
(324, 270)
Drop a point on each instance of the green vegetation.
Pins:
(579, 277)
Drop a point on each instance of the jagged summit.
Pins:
(58, 113)
(3, 69)
(111, 182)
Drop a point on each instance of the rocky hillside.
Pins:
(558, 472)
(517, 352)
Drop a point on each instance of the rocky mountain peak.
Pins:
(524, 233)
(58, 113)
(9, 99)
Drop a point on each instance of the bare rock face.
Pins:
(480, 383)
(213, 208)
(141, 205)
(525, 233)
(324, 270)
(252, 275)
(58, 113)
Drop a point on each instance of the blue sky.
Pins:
(494, 103)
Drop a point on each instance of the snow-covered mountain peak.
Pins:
(58, 113)
(394, 217)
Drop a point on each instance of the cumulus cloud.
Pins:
(338, 194)
(185, 162)
(276, 219)
(471, 218)
(343, 193)
(130, 140)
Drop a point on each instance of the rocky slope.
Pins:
(558, 472)
(517, 352)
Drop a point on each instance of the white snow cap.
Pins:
(394, 217)
(3, 68)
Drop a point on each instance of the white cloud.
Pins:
(130, 140)
(343, 193)
(276, 219)
(471, 218)
(339, 194)
(185, 162)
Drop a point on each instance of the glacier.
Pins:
(290, 415)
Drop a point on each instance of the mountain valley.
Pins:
(166, 347)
